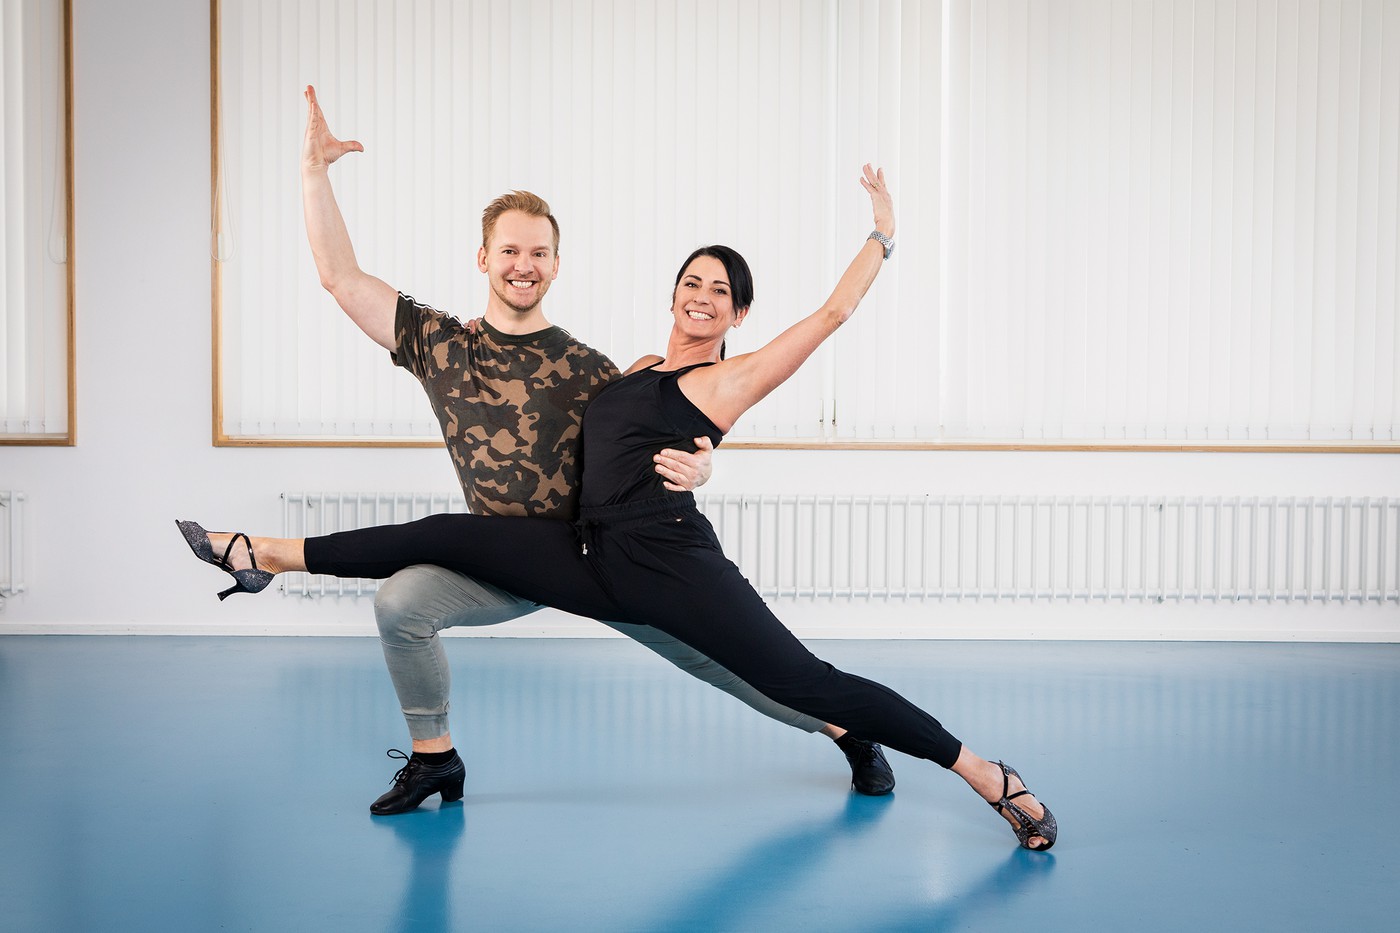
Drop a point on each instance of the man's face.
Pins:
(520, 262)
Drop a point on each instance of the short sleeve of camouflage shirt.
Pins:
(510, 407)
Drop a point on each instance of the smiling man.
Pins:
(509, 393)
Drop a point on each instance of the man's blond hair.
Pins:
(523, 201)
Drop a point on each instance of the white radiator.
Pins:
(11, 543)
(319, 513)
(997, 548)
(1073, 549)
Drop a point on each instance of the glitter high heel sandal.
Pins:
(1045, 827)
(248, 580)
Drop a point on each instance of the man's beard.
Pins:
(503, 293)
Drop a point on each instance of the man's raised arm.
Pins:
(370, 302)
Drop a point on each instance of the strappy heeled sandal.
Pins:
(248, 580)
(1045, 827)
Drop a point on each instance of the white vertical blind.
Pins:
(885, 94)
(1131, 221)
(33, 221)
(651, 128)
(1180, 220)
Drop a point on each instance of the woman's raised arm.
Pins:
(727, 390)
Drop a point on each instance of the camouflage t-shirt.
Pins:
(510, 407)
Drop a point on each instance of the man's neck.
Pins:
(508, 320)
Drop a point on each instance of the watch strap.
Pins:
(887, 243)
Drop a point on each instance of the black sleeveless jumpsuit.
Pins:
(641, 554)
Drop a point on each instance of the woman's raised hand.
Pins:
(320, 148)
(873, 182)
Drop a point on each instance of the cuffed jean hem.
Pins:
(424, 726)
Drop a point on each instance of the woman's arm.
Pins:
(728, 389)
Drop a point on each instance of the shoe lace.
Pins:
(410, 765)
(863, 752)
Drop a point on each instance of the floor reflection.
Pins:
(224, 783)
(432, 836)
(767, 869)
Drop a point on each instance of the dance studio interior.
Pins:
(1103, 472)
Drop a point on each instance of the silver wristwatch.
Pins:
(885, 241)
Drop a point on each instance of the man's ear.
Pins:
(481, 259)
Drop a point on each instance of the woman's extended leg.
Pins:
(672, 575)
(666, 578)
(536, 559)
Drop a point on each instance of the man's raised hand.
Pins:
(320, 148)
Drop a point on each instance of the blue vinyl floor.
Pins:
(223, 784)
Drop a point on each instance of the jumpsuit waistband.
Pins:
(626, 514)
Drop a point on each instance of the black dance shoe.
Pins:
(416, 782)
(871, 774)
(248, 580)
(1026, 826)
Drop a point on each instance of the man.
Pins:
(509, 392)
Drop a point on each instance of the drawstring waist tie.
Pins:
(628, 514)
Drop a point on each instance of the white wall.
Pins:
(104, 554)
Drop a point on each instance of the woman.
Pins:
(640, 554)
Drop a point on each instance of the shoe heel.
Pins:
(253, 581)
(453, 792)
(247, 581)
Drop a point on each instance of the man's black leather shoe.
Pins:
(871, 774)
(417, 781)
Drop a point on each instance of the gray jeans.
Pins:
(418, 602)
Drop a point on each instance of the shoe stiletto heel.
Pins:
(1045, 827)
(248, 580)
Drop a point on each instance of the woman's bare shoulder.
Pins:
(651, 359)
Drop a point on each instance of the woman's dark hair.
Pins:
(735, 268)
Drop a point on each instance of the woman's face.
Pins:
(703, 305)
